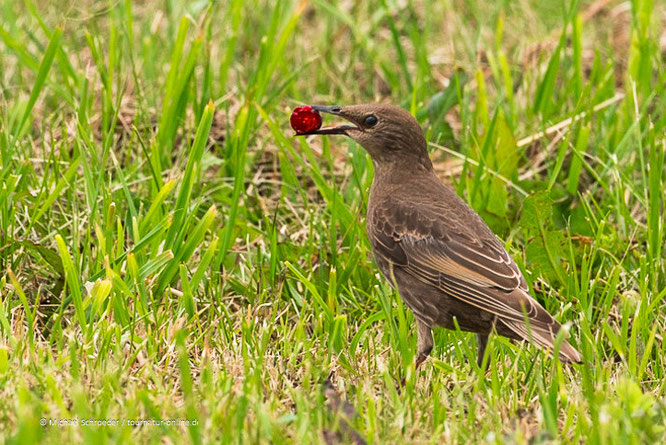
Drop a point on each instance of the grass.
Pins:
(169, 251)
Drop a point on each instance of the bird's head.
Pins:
(388, 133)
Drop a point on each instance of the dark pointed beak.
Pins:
(338, 129)
(333, 109)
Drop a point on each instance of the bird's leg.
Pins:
(482, 340)
(423, 344)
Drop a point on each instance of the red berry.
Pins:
(305, 119)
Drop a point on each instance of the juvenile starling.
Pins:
(445, 261)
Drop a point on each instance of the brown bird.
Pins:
(445, 261)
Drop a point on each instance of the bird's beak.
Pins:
(338, 129)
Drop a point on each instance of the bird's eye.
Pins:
(371, 120)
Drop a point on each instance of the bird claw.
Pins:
(417, 363)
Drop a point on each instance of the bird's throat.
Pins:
(398, 168)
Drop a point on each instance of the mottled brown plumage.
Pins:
(445, 261)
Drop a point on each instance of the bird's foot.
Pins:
(417, 363)
(419, 360)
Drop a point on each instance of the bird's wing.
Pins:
(471, 267)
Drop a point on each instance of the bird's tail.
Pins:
(546, 338)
